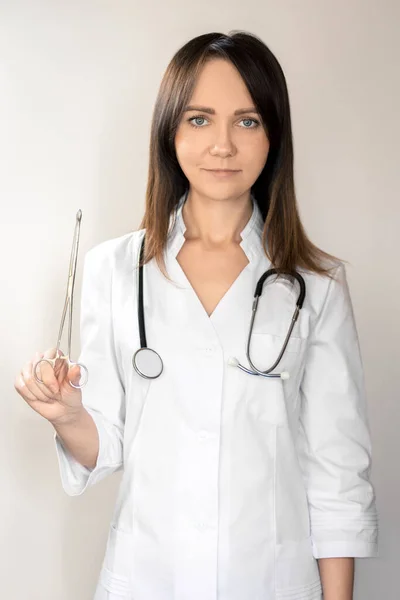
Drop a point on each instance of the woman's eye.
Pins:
(196, 119)
(197, 125)
(250, 121)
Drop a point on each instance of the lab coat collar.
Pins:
(251, 234)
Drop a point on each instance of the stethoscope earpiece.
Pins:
(233, 362)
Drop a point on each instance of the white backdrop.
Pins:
(78, 81)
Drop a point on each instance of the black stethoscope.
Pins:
(148, 363)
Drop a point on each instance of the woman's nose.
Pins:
(222, 143)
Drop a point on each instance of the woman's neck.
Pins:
(216, 222)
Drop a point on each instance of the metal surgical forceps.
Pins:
(68, 304)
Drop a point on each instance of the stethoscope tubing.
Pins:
(142, 330)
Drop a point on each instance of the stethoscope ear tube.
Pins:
(302, 294)
(299, 304)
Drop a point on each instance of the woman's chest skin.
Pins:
(211, 273)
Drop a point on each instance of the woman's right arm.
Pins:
(89, 422)
(80, 437)
(90, 447)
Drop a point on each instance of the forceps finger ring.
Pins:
(52, 361)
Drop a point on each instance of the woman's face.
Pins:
(221, 140)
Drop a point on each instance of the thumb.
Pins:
(75, 374)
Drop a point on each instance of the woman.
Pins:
(235, 486)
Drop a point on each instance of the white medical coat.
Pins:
(233, 485)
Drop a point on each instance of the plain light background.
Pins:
(78, 82)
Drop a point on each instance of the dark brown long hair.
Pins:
(288, 246)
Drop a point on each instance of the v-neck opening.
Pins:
(228, 292)
(250, 243)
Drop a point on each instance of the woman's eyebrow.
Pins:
(211, 111)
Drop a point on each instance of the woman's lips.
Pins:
(221, 173)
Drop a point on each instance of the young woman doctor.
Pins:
(235, 486)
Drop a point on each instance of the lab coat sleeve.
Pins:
(103, 396)
(334, 436)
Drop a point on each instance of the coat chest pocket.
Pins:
(271, 399)
(115, 575)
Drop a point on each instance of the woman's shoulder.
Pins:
(321, 286)
(116, 251)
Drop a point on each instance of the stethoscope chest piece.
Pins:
(147, 363)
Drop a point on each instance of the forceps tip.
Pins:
(79, 215)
